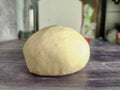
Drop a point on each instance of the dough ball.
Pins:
(56, 51)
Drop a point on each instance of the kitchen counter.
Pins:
(101, 73)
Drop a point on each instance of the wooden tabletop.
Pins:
(101, 73)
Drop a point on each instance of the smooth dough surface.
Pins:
(56, 51)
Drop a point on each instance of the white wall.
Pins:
(8, 29)
(112, 14)
(60, 12)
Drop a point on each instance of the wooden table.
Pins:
(101, 73)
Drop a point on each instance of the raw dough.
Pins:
(56, 51)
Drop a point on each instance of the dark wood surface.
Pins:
(101, 73)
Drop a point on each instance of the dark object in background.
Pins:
(27, 17)
(25, 35)
(116, 1)
(118, 38)
(117, 26)
(118, 33)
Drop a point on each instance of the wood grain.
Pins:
(101, 73)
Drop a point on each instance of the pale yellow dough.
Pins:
(56, 51)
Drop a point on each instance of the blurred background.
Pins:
(94, 19)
